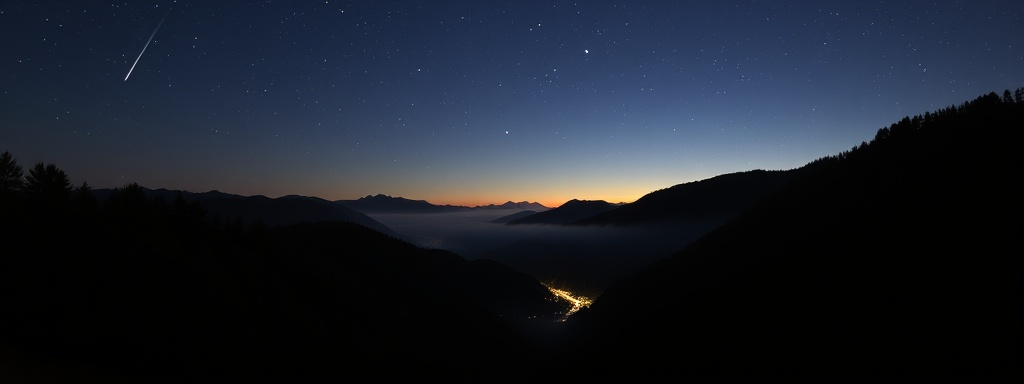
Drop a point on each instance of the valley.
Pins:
(891, 260)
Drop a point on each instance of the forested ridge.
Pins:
(898, 260)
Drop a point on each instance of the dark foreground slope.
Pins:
(897, 261)
(137, 290)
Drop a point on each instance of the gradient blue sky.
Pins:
(477, 102)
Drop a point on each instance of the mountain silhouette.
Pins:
(891, 261)
(272, 212)
(573, 210)
(381, 203)
(716, 199)
(386, 204)
(524, 205)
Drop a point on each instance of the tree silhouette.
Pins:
(10, 174)
(11, 183)
(85, 202)
(129, 206)
(84, 192)
(48, 183)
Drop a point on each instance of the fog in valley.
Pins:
(584, 258)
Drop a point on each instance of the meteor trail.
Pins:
(144, 47)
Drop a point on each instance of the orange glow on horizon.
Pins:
(548, 202)
(473, 196)
(483, 199)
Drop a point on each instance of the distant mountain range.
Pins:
(272, 212)
(513, 205)
(386, 204)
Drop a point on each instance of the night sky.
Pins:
(477, 102)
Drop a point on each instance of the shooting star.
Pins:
(145, 46)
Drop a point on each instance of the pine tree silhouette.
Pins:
(11, 177)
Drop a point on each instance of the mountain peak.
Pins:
(522, 205)
(579, 201)
(571, 211)
(382, 203)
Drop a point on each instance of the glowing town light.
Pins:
(578, 302)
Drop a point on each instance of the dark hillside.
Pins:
(717, 199)
(573, 210)
(271, 212)
(148, 290)
(898, 260)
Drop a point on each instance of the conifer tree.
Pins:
(11, 177)
(47, 182)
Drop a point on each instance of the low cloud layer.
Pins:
(582, 258)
